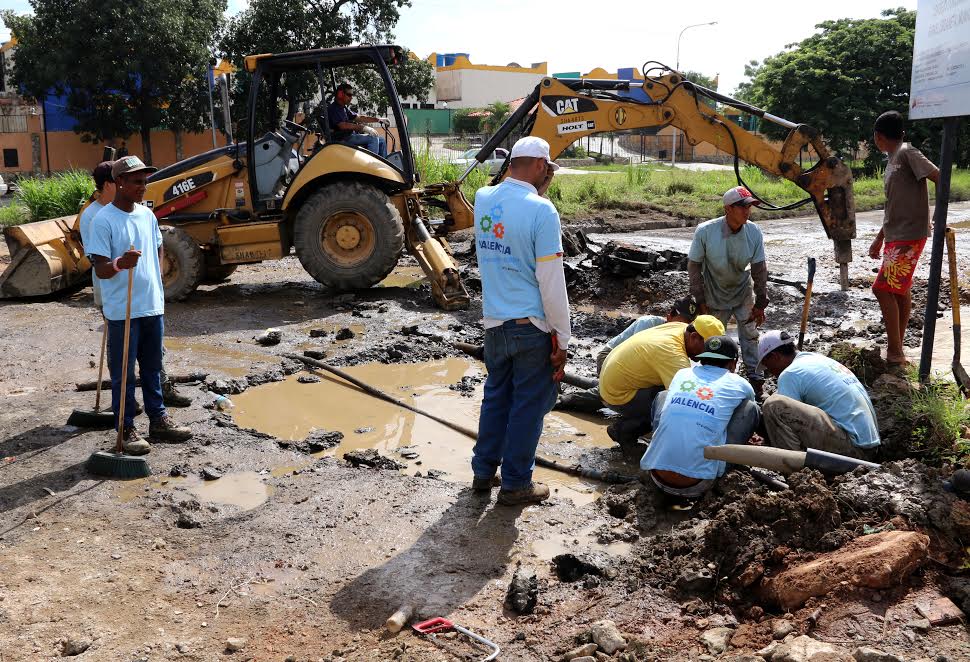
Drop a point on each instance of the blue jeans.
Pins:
(747, 333)
(519, 392)
(145, 346)
(373, 143)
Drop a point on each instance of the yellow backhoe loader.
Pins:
(349, 213)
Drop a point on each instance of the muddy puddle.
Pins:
(409, 277)
(553, 544)
(943, 343)
(242, 490)
(450, 389)
(213, 358)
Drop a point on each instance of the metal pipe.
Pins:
(779, 120)
(950, 128)
(467, 172)
(212, 107)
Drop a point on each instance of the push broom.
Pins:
(87, 418)
(117, 464)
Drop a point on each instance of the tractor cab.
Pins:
(283, 83)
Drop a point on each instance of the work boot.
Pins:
(172, 398)
(133, 444)
(624, 437)
(486, 484)
(534, 493)
(165, 429)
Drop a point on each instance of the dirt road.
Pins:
(292, 550)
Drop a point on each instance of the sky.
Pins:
(578, 35)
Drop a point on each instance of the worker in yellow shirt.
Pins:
(644, 365)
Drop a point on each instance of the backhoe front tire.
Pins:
(348, 236)
(183, 265)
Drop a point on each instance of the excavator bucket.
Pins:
(45, 257)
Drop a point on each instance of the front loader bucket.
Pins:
(45, 257)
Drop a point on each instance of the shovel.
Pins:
(959, 374)
(85, 418)
(808, 302)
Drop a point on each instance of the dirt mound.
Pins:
(907, 489)
(742, 532)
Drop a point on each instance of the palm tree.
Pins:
(498, 112)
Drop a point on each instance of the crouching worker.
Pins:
(819, 403)
(706, 405)
(124, 235)
(588, 401)
(643, 366)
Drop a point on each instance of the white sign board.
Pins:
(940, 84)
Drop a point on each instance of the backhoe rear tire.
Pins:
(348, 236)
(183, 266)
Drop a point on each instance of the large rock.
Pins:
(523, 593)
(865, 654)
(876, 561)
(587, 650)
(717, 640)
(806, 649)
(607, 637)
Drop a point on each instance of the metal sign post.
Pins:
(950, 127)
(939, 88)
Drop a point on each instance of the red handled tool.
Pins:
(443, 625)
(558, 375)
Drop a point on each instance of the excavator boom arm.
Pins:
(562, 111)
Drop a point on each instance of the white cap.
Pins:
(772, 340)
(738, 194)
(535, 147)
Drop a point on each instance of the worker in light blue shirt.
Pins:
(526, 319)
(104, 193)
(125, 236)
(717, 265)
(819, 402)
(706, 405)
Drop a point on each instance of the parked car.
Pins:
(494, 162)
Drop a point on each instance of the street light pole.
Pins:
(673, 152)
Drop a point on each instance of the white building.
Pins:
(461, 84)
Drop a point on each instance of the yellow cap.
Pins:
(708, 326)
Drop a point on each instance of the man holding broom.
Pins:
(124, 235)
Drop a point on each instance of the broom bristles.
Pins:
(113, 465)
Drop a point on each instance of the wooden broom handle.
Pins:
(124, 364)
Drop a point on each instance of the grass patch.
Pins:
(13, 214)
(697, 195)
(938, 415)
(52, 197)
(433, 169)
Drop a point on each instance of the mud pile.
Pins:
(743, 533)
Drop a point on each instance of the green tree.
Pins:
(498, 112)
(143, 63)
(840, 79)
(276, 26)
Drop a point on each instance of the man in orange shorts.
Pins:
(905, 227)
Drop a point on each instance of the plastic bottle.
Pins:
(223, 403)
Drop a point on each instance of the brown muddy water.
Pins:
(290, 410)
(410, 277)
(214, 358)
(244, 490)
